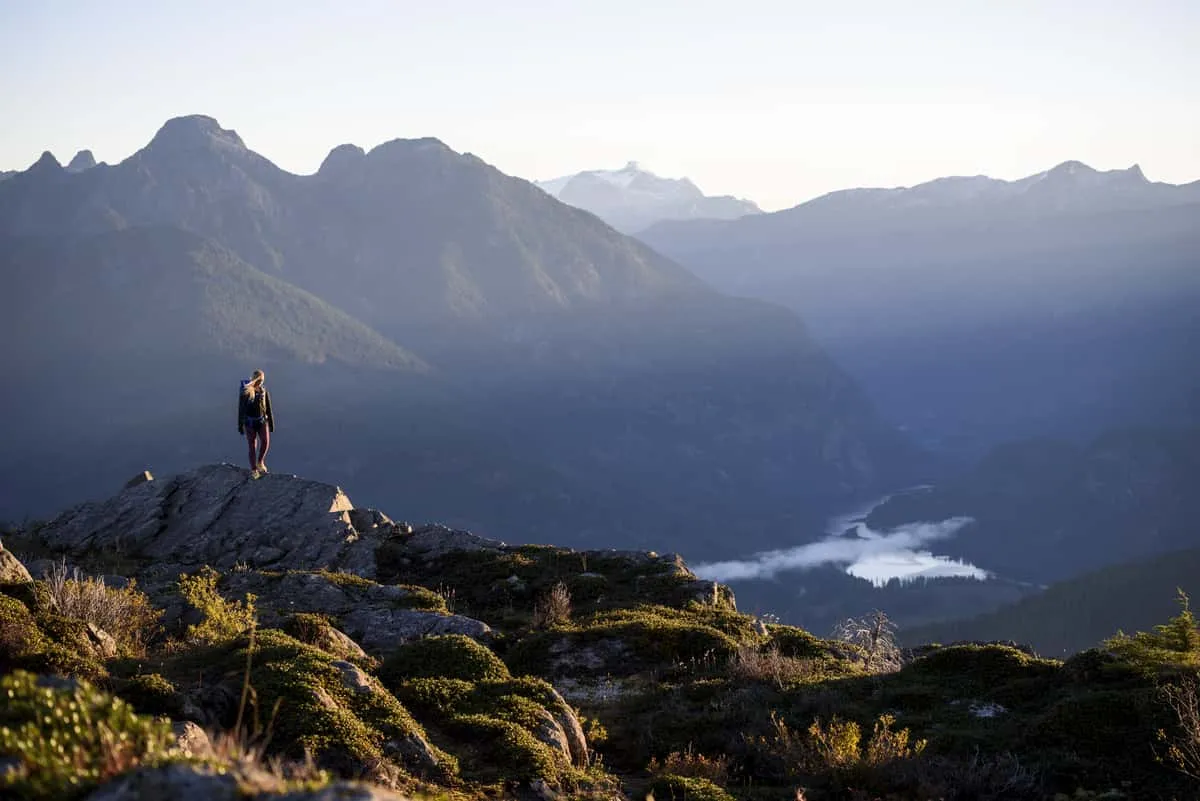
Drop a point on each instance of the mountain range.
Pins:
(977, 311)
(463, 346)
(454, 340)
(632, 198)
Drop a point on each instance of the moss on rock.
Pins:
(500, 750)
(318, 631)
(463, 712)
(451, 656)
(317, 712)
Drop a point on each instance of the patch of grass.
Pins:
(484, 587)
(691, 764)
(753, 664)
(687, 788)
(343, 579)
(422, 599)
(645, 637)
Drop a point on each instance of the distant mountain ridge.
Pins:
(493, 256)
(977, 310)
(1071, 186)
(632, 198)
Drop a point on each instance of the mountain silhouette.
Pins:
(514, 364)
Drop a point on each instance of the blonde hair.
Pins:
(254, 384)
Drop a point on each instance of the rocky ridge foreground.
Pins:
(309, 563)
(299, 546)
(266, 639)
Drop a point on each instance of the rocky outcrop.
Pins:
(11, 569)
(566, 731)
(376, 616)
(218, 515)
(433, 541)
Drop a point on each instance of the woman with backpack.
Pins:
(256, 421)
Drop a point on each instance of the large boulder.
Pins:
(11, 569)
(218, 515)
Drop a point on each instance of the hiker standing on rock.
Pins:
(256, 421)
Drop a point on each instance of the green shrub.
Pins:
(796, 643)
(1172, 645)
(70, 738)
(450, 656)
(19, 635)
(151, 694)
(686, 788)
(45, 643)
(223, 620)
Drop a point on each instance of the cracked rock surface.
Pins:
(218, 515)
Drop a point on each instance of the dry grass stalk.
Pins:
(553, 608)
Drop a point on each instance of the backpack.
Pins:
(254, 410)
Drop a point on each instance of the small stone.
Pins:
(543, 790)
(193, 739)
(353, 677)
(102, 641)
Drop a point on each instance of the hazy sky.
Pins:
(775, 101)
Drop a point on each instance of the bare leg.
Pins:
(250, 432)
(264, 444)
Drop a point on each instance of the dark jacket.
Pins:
(259, 407)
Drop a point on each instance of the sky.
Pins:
(774, 101)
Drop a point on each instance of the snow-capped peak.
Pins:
(632, 197)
